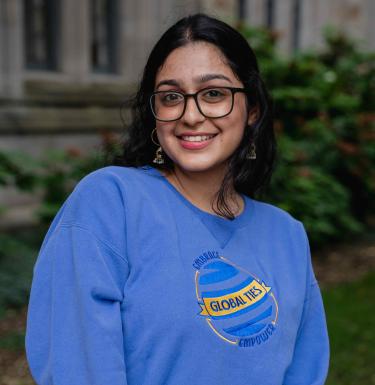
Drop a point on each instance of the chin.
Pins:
(199, 166)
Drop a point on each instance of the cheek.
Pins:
(165, 132)
(162, 128)
(235, 123)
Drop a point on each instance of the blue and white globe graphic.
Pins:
(238, 307)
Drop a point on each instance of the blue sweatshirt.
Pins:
(135, 285)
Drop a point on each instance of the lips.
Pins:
(196, 138)
(195, 141)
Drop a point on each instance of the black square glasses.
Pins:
(212, 102)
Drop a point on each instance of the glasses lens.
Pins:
(167, 105)
(215, 102)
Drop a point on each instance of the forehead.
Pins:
(193, 60)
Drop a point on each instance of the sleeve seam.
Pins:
(104, 243)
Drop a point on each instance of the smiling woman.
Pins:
(226, 140)
(199, 134)
(164, 269)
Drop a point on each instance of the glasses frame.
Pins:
(195, 97)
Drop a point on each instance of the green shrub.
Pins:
(17, 257)
(323, 105)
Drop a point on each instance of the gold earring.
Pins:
(252, 152)
(159, 159)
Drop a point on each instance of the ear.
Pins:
(253, 115)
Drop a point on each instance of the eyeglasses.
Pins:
(212, 102)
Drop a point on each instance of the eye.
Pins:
(214, 94)
(170, 98)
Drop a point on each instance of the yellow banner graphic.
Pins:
(233, 302)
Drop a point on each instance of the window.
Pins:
(241, 10)
(270, 13)
(41, 26)
(296, 27)
(104, 35)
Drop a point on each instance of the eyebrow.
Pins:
(207, 77)
(200, 79)
(168, 82)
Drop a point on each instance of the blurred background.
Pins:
(67, 71)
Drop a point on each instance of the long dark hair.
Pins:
(248, 175)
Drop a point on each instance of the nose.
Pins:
(192, 115)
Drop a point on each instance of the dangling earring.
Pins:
(159, 159)
(252, 152)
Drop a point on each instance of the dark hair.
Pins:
(249, 176)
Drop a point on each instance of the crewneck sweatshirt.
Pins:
(134, 285)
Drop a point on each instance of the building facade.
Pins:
(66, 66)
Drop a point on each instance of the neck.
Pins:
(201, 189)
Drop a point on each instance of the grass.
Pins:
(351, 319)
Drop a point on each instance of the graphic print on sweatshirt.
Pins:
(239, 307)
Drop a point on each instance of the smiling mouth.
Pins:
(196, 138)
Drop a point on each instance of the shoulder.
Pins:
(109, 176)
(98, 203)
(286, 235)
(120, 176)
(271, 211)
(101, 186)
(278, 222)
(104, 193)
(113, 182)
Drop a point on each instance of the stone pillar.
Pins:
(148, 27)
(142, 23)
(11, 48)
(369, 30)
(225, 10)
(350, 16)
(75, 40)
(311, 31)
(283, 25)
(354, 17)
(169, 11)
(255, 13)
(2, 49)
(136, 26)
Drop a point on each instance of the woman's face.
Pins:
(194, 142)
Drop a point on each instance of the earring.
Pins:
(252, 152)
(159, 159)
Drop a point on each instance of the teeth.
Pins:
(197, 138)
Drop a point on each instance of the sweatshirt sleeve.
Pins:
(74, 329)
(311, 352)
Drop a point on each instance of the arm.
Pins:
(311, 352)
(74, 330)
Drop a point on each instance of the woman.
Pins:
(166, 271)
